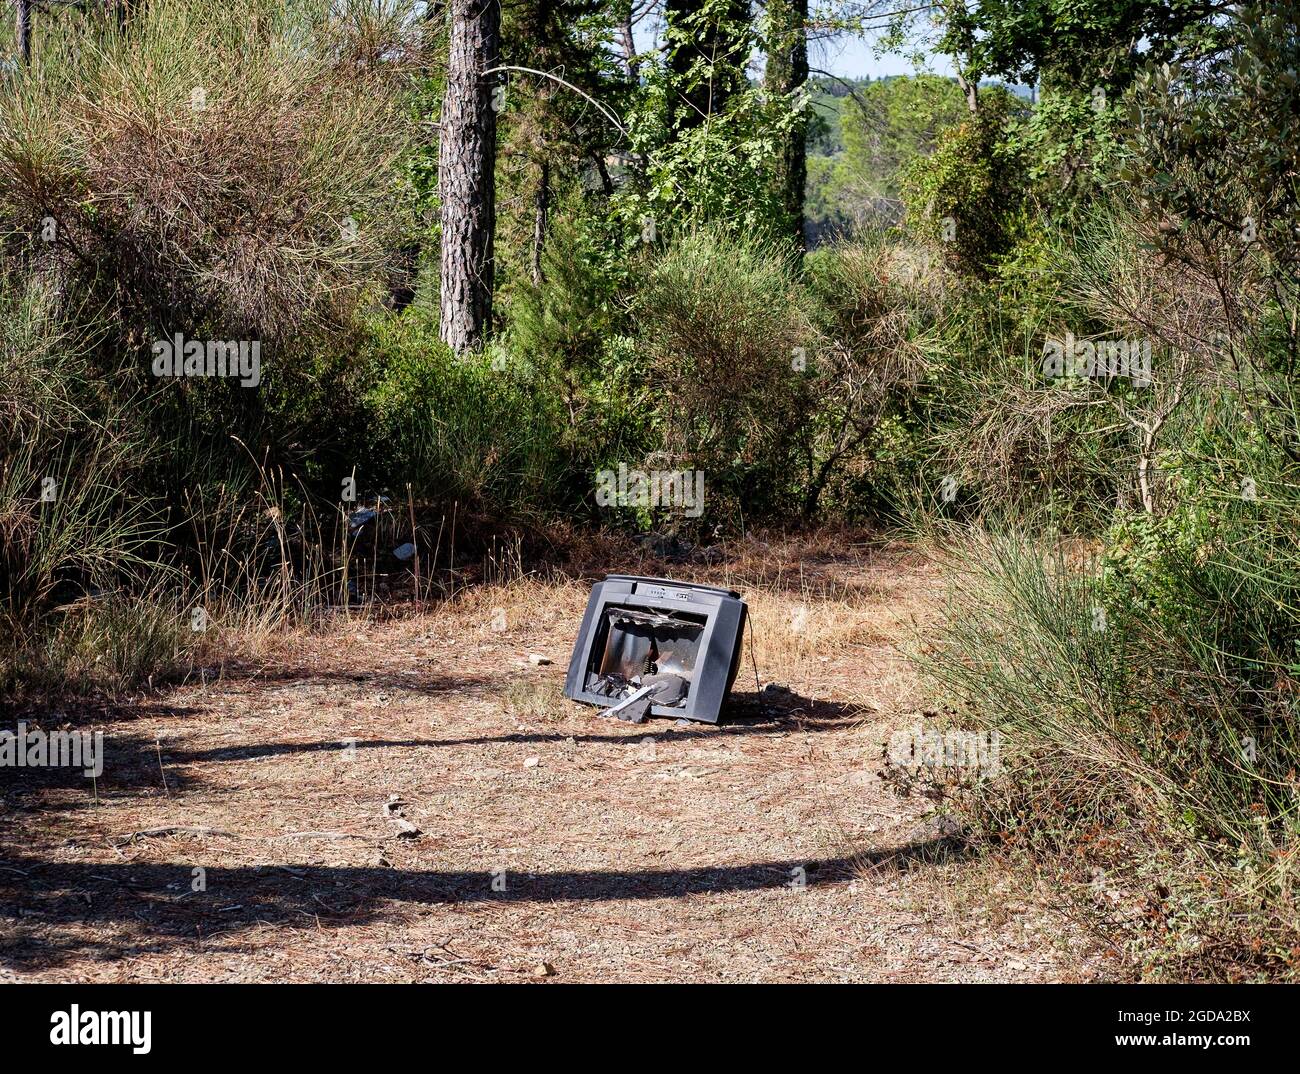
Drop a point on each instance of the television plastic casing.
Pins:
(718, 656)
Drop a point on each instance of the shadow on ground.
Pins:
(55, 912)
(753, 714)
(129, 909)
(130, 763)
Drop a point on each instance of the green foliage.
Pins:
(1084, 44)
(874, 132)
(193, 172)
(720, 320)
(707, 141)
(1222, 566)
(69, 455)
(570, 331)
(1111, 720)
(112, 641)
(1071, 143)
(75, 513)
(226, 173)
(1145, 684)
(880, 315)
(716, 172)
(470, 430)
(967, 195)
(1216, 154)
(1083, 59)
(559, 323)
(550, 134)
(1010, 440)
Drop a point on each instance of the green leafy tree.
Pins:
(1082, 57)
(707, 44)
(881, 127)
(966, 196)
(703, 139)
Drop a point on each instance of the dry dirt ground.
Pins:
(240, 830)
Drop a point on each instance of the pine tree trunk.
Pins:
(23, 30)
(466, 184)
(628, 40)
(787, 70)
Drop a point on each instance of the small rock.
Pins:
(532, 762)
(537, 660)
(543, 969)
(393, 811)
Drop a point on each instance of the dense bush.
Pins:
(224, 173)
(1138, 747)
(76, 514)
(228, 173)
(205, 166)
(472, 430)
(725, 323)
(880, 308)
(1145, 681)
(966, 196)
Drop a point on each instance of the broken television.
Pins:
(655, 647)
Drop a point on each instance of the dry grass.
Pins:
(763, 849)
(210, 157)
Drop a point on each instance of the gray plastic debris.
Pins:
(634, 707)
(404, 551)
(363, 515)
(662, 689)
